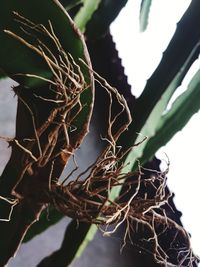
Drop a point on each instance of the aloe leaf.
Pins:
(27, 61)
(144, 14)
(95, 17)
(99, 14)
(85, 13)
(153, 114)
(183, 108)
(171, 63)
(152, 123)
(153, 120)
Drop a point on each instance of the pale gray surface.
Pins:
(8, 104)
(101, 252)
(42, 245)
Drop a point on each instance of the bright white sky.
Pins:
(141, 53)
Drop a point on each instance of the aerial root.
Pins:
(67, 84)
(13, 203)
(84, 200)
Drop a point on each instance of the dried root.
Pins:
(13, 203)
(51, 140)
(89, 200)
(60, 99)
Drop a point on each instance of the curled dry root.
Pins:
(90, 199)
(53, 109)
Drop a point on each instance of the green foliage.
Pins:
(183, 108)
(144, 14)
(169, 69)
(85, 13)
(152, 124)
(95, 17)
(28, 61)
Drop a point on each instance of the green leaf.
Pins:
(95, 17)
(28, 61)
(84, 241)
(183, 108)
(174, 58)
(152, 123)
(85, 13)
(144, 14)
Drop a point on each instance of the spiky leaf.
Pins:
(183, 108)
(28, 61)
(152, 123)
(172, 61)
(144, 14)
(85, 13)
